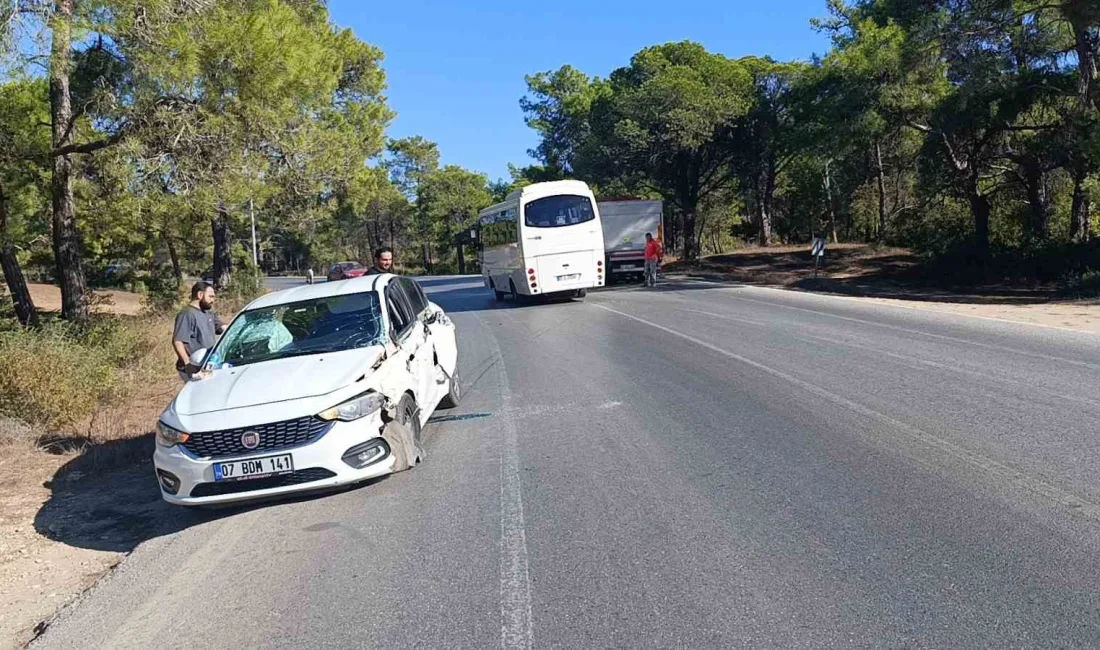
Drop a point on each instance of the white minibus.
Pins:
(544, 239)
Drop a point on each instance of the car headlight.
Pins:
(169, 437)
(355, 408)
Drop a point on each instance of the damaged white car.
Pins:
(310, 388)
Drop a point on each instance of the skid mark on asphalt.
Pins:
(1015, 477)
(439, 419)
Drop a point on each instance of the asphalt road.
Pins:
(692, 466)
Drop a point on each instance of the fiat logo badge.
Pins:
(250, 439)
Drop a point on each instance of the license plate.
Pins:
(239, 470)
(567, 278)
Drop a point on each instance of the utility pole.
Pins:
(252, 216)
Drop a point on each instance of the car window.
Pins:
(557, 211)
(401, 315)
(414, 294)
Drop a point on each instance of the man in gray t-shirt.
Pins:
(196, 328)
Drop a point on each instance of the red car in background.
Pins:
(345, 270)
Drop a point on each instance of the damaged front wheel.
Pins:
(403, 435)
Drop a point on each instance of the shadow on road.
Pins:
(118, 509)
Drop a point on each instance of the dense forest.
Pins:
(967, 129)
(144, 141)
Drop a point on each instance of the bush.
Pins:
(1082, 284)
(166, 293)
(246, 283)
(59, 375)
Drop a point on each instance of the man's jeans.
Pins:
(650, 273)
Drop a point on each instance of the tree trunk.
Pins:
(13, 274)
(763, 218)
(1086, 45)
(174, 255)
(1085, 42)
(1080, 212)
(980, 209)
(765, 191)
(691, 240)
(1039, 201)
(223, 260)
(461, 260)
(427, 248)
(66, 236)
(881, 187)
(672, 228)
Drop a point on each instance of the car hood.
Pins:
(280, 380)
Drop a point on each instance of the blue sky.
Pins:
(455, 69)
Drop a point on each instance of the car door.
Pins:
(412, 340)
(441, 334)
(428, 385)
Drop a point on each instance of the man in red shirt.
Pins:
(653, 256)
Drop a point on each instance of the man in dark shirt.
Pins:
(196, 328)
(383, 261)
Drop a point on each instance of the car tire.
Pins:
(579, 294)
(454, 391)
(496, 292)
(512, 291)
(407, 450)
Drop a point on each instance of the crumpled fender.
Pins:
(400, 439)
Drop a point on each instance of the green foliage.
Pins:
(664, 124)
(1082, 284)
(98, 360)
(959, 128)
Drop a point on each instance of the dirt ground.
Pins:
(894, 276)
(67, 516)
(47, 298)
(70, 513)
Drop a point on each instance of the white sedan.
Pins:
(313, 387)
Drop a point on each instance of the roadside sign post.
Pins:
(818, 251)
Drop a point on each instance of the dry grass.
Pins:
(59, 376)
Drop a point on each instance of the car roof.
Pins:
(360, 284)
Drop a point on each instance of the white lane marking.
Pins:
(516, 630)
(872, 300)
(988, 346)
(1016, 477)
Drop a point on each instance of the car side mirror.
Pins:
(198, 355)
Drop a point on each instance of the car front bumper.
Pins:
(322, 457)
